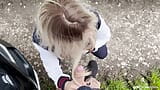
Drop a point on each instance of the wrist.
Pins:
(62, 81)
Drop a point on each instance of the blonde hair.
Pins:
(67, 28)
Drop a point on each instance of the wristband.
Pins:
(61, 82)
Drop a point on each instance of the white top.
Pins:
(103, 34)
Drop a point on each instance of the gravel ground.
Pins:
(134, 45)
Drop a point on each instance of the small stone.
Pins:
(118, 65)
(9, 4)
(35, 63)
(142, 79)
(8, 9)
(122, 67)
(123, 63)
(39, 70)
(20, 4)
(145, 63)
(125, 74)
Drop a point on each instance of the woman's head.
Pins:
(66, 27)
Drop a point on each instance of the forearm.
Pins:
(51, 64)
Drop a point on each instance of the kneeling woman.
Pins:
(66, 30)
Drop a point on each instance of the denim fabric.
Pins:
(101, 53)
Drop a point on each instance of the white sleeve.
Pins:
(103, 34)
(51, 64)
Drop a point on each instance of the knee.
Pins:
(103, 55)
(102, 52)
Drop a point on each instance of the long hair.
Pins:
(67, 28)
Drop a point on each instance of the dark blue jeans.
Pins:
(101, 53)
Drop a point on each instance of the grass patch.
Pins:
(114, 85)
(151, 81)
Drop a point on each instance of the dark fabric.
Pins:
(101, 53)
(87, 88)
(99, 20)
(84, 88)
(36, 39)
(61, 82)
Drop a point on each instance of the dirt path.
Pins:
(135, 42)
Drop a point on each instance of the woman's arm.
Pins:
(52, 67)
